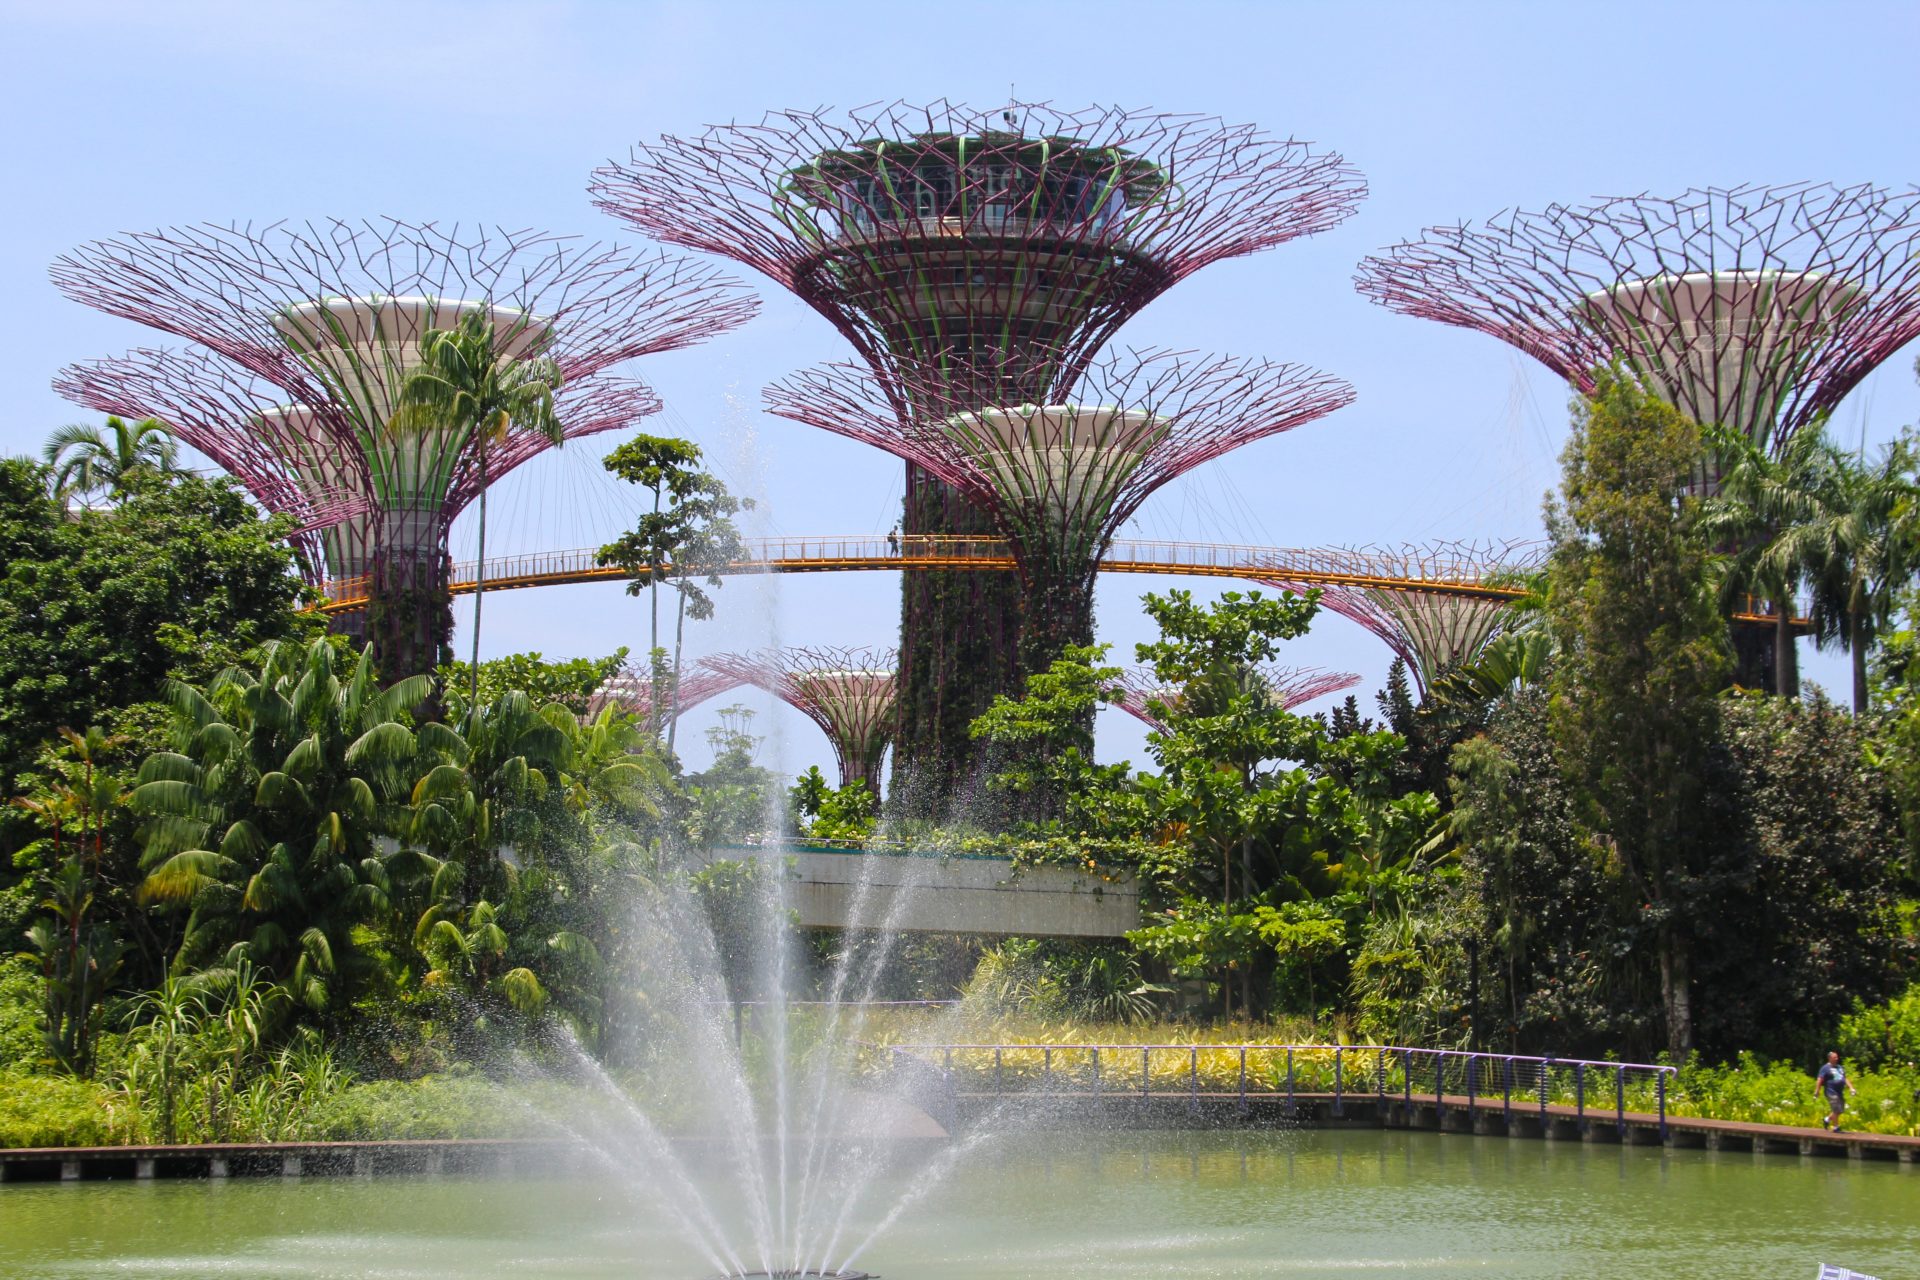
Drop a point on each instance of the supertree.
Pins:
(941, 240)
(289, 457)
(632, 691)
(1291, 686)
(1755, 307)
(1456, 598)
(332, 315)
(1758, 308)
(1058, 479)
(849, 693)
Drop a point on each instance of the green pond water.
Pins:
(1113, 1205)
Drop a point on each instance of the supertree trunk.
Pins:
(959, 647)
(410, 614)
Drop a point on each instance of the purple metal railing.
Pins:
(1449, 1076)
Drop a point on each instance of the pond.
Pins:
(1214, 1205)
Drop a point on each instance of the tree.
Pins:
(689, 534)
(1642, 658)
(99, 609)
(86, 460)
(1043, 740)
(1855, 542)
(266, 817)
(464, 383)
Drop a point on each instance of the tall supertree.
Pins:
(1759, 308)
(946, 242)
(849, 693)
(1290, 686)
(1058, 479)
(332, 315)
(1454, 598)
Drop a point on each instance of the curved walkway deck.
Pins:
(855, 552)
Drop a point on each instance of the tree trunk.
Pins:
(1786, 664)
(479, 590)
(679, 637)
(1676, 990)
(1857, 642)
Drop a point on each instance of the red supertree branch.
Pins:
(849, 693)
(287, 457)
(925, 229)
(595, 304)
(1760, 307)
(1438, 620)
(1062, 478)
(632, 692)
(1291, 686)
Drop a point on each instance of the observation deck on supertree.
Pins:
(849, 693)
(331, 316)
(942, 240)
(1431, 631)
(1291, 686)
(1058, 479)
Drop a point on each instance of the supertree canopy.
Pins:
(1455, 601)
(1059, 478)
(1759, 308)
(1289, 686)
(970, 250)
(290, 457)
(333, 314)
(849, 693)
(632, 691)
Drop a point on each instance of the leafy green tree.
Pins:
(79, 955)
(98, 609)
(1642, 659)
(1042, 742)
(688, 537)
(467, 383)
(571, 682)
(87, 462)
(266, 819)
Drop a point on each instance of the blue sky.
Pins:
(132, 116)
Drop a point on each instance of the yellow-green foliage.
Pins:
(62, 1111)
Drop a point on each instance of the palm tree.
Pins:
(86, 459)
(1759, 498)
(267, 816)
(464, 383)
(1844, 527)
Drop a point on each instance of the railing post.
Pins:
(1243, 1080)
(1292, 1107)
(1506, 1092)
(1380, 1073)
(998, 1086)
(1546, 1073)
(1096, 1073)
(1146, 1076)
(1660, 1094)
(1472, 1060)
(1620, 1099)
(1406, 1080)
(1580, 1094)
(1193, 1079)
(1339, 1084)
(1046, 1069)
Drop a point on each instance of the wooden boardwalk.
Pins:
(1454, 1114)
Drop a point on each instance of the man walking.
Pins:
(1833, 1082)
